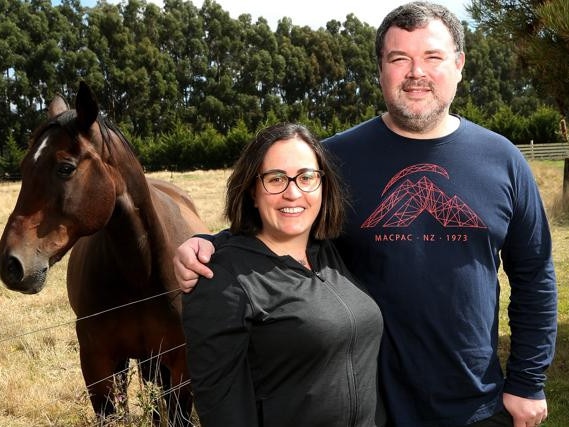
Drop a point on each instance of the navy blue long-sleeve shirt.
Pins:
(430, 222)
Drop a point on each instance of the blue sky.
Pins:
(313, 13)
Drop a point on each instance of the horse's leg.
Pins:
(179, 396)
(98, 373)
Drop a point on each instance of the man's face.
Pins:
(420, 70)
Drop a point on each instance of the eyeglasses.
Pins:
(277, 181)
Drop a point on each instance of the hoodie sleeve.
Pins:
(217, 340)
(528, 263)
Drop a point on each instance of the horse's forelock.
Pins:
(57, 121)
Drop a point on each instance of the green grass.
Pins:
(557, 387)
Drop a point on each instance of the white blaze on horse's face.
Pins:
(41, 147)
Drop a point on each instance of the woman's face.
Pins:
(291, 213)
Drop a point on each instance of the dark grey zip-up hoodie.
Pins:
(273, 344)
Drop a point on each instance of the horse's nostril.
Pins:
(12, 271)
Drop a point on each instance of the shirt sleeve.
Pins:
(216, 239)
(527, 258)
(217, 338)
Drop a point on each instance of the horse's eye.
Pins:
(65, 170)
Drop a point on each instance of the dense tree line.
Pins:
(190, 85)
(540, 32)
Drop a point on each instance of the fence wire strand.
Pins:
(164, 393)
(58, 325)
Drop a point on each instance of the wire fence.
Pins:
(154, 358)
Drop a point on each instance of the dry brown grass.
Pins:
(207, 189)
(40, 377)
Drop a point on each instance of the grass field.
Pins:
(40, 376)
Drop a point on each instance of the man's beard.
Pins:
(418, 122)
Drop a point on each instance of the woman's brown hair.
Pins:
(240, 208)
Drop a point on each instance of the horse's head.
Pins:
(68, 191)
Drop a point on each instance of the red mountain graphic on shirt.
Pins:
(411, 199)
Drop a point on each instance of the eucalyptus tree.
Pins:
(309, 84)
(29, 52)
(137, 77)
(492, 77)
(216, 94)
(12, 58)
(547, 52)
(152, 89)
(295, 83)
(259, 71)
(328, 70)
(42, 26)
(77, 61)
(113, 46)
(359, 95)
(538, 30)
(182, 36)
(480, 83)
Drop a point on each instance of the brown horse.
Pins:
(82, 187)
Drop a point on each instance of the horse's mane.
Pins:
(105, 125)
(66, 121)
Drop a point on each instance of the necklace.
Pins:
(303, 260)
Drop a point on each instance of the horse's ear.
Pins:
(57, 106)
(86, 107)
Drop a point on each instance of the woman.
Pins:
(282, 336)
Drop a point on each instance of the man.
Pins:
(436, 202)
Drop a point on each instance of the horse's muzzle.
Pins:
(12, 274)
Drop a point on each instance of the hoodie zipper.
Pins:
(353, 401)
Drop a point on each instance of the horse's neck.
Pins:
(134, 231)
(129, 240)
(140, 234)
